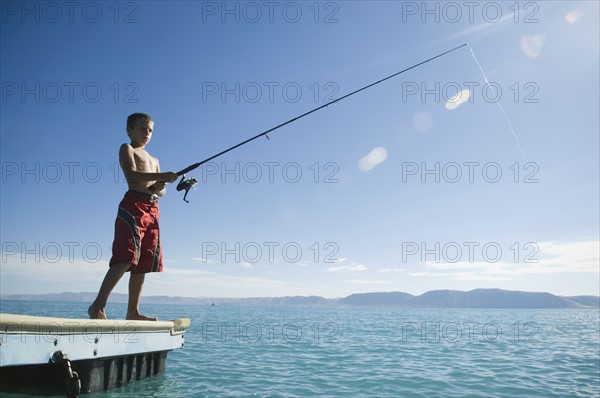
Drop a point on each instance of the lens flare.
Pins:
(375, 157)
(422, 122)
(573, 16)
(532, 45)
(458, 99)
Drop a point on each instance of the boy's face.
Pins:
(142, 132)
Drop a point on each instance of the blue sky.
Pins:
(413, 185)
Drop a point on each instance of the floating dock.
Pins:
(84, 355)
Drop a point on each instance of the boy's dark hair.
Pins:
(135, 117)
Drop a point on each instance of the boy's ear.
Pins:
(129, 131)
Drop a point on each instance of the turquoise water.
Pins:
(374, 352)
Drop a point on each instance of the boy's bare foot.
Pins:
(96, 313)
(140, 317)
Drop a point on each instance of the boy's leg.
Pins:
(112, 277)
(136, 283)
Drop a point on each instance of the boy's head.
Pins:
(134, 118)
(139, 128)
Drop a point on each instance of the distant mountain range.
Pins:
(478, 298)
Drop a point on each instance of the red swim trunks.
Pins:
(137, 234)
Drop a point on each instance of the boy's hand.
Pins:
(158, 186)
(169, 176)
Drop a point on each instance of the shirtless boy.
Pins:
(136, 247)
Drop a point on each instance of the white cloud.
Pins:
(368, 281)
(201, 260)
(386, 270)
(471, 276)
(348, 268)
(465, 265)
(195, 282)
(560, 259)
(60, 270)
(435, 274)
(542, 258)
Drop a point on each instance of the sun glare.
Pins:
(375, 157)
(457, 100)
(573, 16)
(422, 122)
(532, 45)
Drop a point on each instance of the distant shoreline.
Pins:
(477, 299)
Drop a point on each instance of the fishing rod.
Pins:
(186, 185)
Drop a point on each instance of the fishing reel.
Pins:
(186, 185)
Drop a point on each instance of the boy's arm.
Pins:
(132, 175)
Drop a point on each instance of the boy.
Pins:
(136, 246)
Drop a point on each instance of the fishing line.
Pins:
(498, 103)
